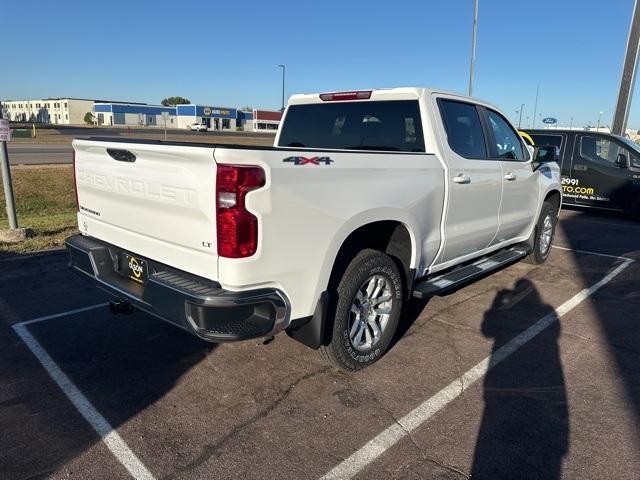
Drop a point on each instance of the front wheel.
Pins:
(543, 234)
(367, 309)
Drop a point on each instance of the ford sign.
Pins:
(549, 120)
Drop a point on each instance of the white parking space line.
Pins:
(373, 449)
(63, 314)
(587, 252)
(107, 433)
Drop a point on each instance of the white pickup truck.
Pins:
(366, 199)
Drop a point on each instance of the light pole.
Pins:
(571, 124)
(520, 119)
(473, 45)
(283, 73)
(628, 78)
(535, 108)
(599, 116)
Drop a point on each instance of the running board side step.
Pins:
(456, 278)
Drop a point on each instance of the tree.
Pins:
(89, 119)
(173, 101)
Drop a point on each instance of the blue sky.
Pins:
(226, 53)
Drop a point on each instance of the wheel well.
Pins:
(390, 237)
(553, 197)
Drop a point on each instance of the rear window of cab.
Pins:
(392, 125)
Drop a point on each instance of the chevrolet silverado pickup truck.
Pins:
(366, 199)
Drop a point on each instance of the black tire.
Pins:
(342, 352)
(541, 249)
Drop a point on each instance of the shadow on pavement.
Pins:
(617, 305)
(524, 430)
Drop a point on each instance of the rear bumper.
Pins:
(193, 303)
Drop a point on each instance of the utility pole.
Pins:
(6, 183)
(520, 119)
(628, 80)
(535, 108)
(473, 45)
(283, 67)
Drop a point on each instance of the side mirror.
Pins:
(546, 154)
(621, 161)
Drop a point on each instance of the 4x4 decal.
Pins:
(309, 160)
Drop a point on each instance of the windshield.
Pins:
(379, 125)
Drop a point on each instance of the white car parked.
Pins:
(366, 199)
(198, 127)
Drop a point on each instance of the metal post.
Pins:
(520, 119)
(535, 108)
(473, 45)
(7, 185)
(283, 74)
(628, 79)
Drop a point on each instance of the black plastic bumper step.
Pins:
(452, 280)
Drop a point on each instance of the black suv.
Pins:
(598, 169)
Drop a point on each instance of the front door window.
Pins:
(508, 144)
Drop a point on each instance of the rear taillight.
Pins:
(337, 96)
(237, 228)
(75, 181)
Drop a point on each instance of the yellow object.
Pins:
(527, 138)
(33, 135)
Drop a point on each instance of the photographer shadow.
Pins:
(524, 431)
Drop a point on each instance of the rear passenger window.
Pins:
(508, 144)
(392, 125)
(464, 131)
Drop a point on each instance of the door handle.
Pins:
(580, 168)
(510, 176)
(121, 155)
(461, 178)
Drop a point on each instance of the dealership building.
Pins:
(62, 111)
(133, 114)
(259, 120)
(71, 111)
(215, 118)
(180, 116)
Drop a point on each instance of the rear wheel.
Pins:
(543, 234)
(366, 312)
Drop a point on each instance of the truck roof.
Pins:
(397, 93)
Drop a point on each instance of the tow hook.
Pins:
(121, 307)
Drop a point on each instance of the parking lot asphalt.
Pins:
(563, 404)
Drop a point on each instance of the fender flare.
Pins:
(312, 331)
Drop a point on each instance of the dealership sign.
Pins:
(549, 120)
(218, 112)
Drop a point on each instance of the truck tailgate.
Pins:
(155, 200)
